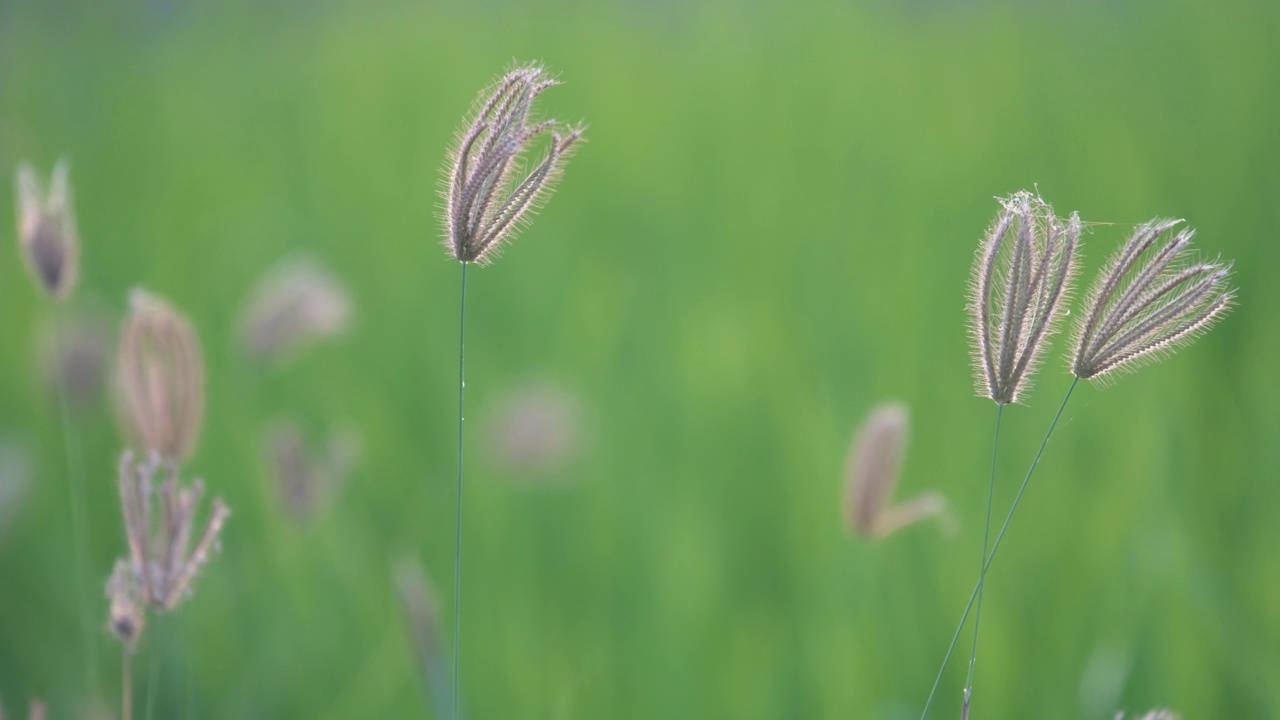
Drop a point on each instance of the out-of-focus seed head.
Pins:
(47, 229)
(74, 354)
(160, 525)
(1021, 275)
(421, 609)
(307, 478)
(296, 304)
(127, 611)
(1149, 300)
(161, 377)
(487, 196)
(871, 473)
(15, 476)
(536, 432)
(1158, 714)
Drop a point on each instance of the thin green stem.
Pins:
(995, 547)
(79, 509)
(457, 539)
(982, 564)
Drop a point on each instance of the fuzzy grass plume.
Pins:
(1021, 276)
(487, 197)
(1148, 301)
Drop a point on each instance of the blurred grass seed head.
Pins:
(161, 377)
(47, 233)
(295, 304)
(871, 473)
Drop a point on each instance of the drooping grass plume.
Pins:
(161, 377)
(1149, 300)
(307, 478)
(47, 229)
(295, 304)
(1021, 276)
(420, 606)
(487, 198)
(871, 473)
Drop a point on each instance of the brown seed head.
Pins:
(47, 230)
(1148, 301)
(871, 473)
(487, 196)
(1021, 275)
(161, 377)
(307, 479)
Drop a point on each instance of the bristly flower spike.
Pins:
(1021, 275)
(47, 229)
(486, 197)
(1147, 302)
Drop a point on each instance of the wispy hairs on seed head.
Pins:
(1022, 274)
(487, 195)
(1150, 299)
(47, 232)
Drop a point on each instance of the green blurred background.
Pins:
(769, 231)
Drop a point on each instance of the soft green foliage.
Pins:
(769, 231)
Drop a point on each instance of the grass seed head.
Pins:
(161, 377)
(296, 303)
(487, 194)
(872, 471)
(47, 230)
(1150, 299)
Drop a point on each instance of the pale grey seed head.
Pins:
(1022, 274)
(47, 234)
(1152, 297)
(488, 196)
(420, 606)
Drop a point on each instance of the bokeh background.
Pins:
(769, 231)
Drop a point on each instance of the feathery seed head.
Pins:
(871, 472)
(161, 376)
(1022, 273)
(1149, 300)
(47, 230)
(487, 196)
(159, 523)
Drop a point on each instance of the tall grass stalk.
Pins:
(995, 547)
(457, 540)
(79, 508)
(982, 565)
(126, 684)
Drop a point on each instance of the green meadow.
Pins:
(769, 230)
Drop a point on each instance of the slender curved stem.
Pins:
(153, 682)
(982, 564)
(457, 540)
(79, 510)
(996, 547)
